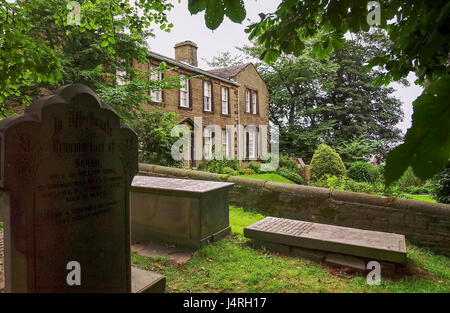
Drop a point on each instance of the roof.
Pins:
(191, 68)
(229, 72)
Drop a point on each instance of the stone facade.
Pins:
(235, 80)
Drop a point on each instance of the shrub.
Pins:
(292, 176)
(441, 186)
(348, 184)
(229, 171)
(254, 166)
(248, 171)
(153, 129)
(284, 161)
(217, 166)
(408, 179)
(420, 190)
(325, 161)
(288, 162)
(363, 172)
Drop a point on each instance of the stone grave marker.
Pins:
(322, 237)
(65, 174)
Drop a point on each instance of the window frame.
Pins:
(210, 83)
(159, 76)
(187, 91)
(248, 101)
(226, 101)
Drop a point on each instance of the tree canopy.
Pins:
(331, 99)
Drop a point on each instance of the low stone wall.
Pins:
(423, 223)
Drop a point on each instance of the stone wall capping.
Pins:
(299, 190)
(248, 182)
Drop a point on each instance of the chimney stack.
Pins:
(186, 51)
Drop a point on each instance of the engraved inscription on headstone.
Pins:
(345, 240)
(68, 166)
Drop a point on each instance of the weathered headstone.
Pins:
(344, 240)
(66, 170)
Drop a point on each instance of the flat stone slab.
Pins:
(343, 240)
(163, 184)
(146, 282)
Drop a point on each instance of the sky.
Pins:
(230, 35)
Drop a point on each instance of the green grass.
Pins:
(231, 265)
(269, 177)
(421, 198)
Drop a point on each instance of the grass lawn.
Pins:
(231, 265)
(269, 177)
(422, 198)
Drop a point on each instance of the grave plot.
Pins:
(320, 241)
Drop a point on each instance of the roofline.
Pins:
(190, 68)
(244, 66)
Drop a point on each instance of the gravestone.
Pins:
(66, 169)
(329, 238)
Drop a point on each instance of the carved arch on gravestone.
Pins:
(30, 155)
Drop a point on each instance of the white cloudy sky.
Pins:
(230, 35)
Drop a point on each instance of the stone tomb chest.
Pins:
(185, 212)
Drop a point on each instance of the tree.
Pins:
(154, 133)
(420, 35)
(225, 59)
(331, 99)
(39, 49)
(359, 108)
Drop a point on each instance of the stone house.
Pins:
(234, 96)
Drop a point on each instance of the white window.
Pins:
(207, 100)
(184, 92)
(226, 151)
(247, 101)
(207, 149)
(225, 100)
(156, 95)
(252, 144)
(254, 102)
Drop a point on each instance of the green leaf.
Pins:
(196, 6)
(427, 142)
(214, 14)
(104, 43)
(235, 10)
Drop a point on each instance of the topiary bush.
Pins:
(363, 172)
(325, 162)
(441, 186)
